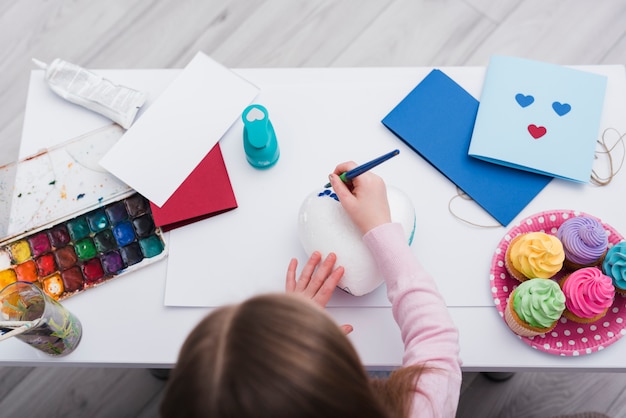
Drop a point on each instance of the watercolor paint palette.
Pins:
(68, 225)
(86, 250)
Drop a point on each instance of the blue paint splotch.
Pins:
(328, 193)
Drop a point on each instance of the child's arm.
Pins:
(429, 335)
(430, 338)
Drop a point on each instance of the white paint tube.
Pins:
(85, 88)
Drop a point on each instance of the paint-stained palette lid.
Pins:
(57, 182)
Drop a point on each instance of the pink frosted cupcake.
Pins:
(585, 242)
(588, 295)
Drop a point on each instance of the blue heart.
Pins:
(524, 100)
(561, 108)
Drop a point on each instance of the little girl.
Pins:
(282, 355)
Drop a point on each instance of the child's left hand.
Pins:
(317, 281)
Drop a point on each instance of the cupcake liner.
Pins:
(569, 265)
(580, 320)
(567, 338)
(520, 327)
(508, 264)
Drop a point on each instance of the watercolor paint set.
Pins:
(76, 226)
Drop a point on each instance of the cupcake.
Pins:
(614, 266)
(534, 255)
(534, 307)
(588, 295)
(584, 240)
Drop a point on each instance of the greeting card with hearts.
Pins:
(436, 119)
(539, 117)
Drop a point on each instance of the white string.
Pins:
(608, 152)
(461, 194)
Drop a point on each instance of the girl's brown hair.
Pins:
(278, 356)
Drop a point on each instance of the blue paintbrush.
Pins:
(357, 171)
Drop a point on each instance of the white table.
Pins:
(125, 321)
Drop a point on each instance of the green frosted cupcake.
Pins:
(534, 307)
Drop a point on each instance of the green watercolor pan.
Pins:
(107, 231)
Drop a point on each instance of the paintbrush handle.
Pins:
(363, 168)
(357, 171)
(14, 332)
(13, 324)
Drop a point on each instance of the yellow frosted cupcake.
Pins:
(534, 255)
(534, 307)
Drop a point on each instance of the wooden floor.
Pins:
(295, 33)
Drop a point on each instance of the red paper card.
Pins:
(206, 192)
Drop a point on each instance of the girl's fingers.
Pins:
(307, 271)
(323, 271)
(325, 291)
(290, 282)
(346, 328)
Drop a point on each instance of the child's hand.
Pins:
(317, 280)
(364, 198)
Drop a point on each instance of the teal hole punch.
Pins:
(259, 138)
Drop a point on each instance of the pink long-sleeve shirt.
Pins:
(429, 335)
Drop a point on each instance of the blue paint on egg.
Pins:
(328, 193)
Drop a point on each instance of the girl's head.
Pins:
(271, 356)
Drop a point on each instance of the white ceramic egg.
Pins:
(324, 226)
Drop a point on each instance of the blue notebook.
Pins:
(539, 117)
(436, 120)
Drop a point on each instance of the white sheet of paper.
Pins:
(245, 252)
(179, 129)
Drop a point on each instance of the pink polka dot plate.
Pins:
(567, 338)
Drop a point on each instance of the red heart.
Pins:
(537, 131)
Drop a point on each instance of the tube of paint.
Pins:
(85, 88)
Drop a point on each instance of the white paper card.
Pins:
(179, 129)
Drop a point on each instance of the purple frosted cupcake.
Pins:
(585, 242)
